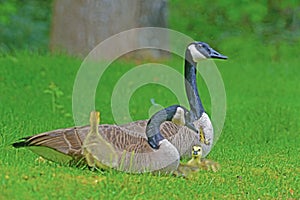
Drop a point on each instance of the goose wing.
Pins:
(62, 145)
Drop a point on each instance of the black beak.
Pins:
(214, 54)
(154, 140)
(191, 126)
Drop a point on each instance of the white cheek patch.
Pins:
(196, 55)
(179, 117)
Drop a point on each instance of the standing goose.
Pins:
(195, 52)
(65, 145)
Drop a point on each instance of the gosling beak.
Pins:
(214, 54)
(195, 152)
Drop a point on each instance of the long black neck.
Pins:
(153, 126)
(191, 87)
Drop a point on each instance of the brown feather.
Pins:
(129, 138)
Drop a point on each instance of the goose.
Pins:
(202, 163)
(195, 164)
(192, 166)
(195, 52)
(94, 140)
(65, 145)
(135, 155)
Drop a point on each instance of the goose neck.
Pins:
(153, 126)
(191, 88)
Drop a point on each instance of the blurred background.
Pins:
(75, 27)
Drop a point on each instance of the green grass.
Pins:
(258, 149)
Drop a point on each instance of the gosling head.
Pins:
(94, 118)
(198, 51)
(196, 152)
(182, 118)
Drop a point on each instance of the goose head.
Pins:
(183, 117)
(197, 51)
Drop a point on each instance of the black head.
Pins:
(201, 51)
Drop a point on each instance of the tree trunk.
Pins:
(78, 26)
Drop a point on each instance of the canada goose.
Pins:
(65, 145)
(192, 166)
(195, 164)
(94, 140)
(135, 155)
(195, 52)
(202, 163)
(101, 152)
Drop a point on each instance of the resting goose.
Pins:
(65, 145)
(134, 154)
(91, 144)
(202, 163)
(197, 163)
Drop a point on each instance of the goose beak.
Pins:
(214, 54)
(154, 141)
(191, 126)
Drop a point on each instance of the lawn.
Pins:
(258, 149)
